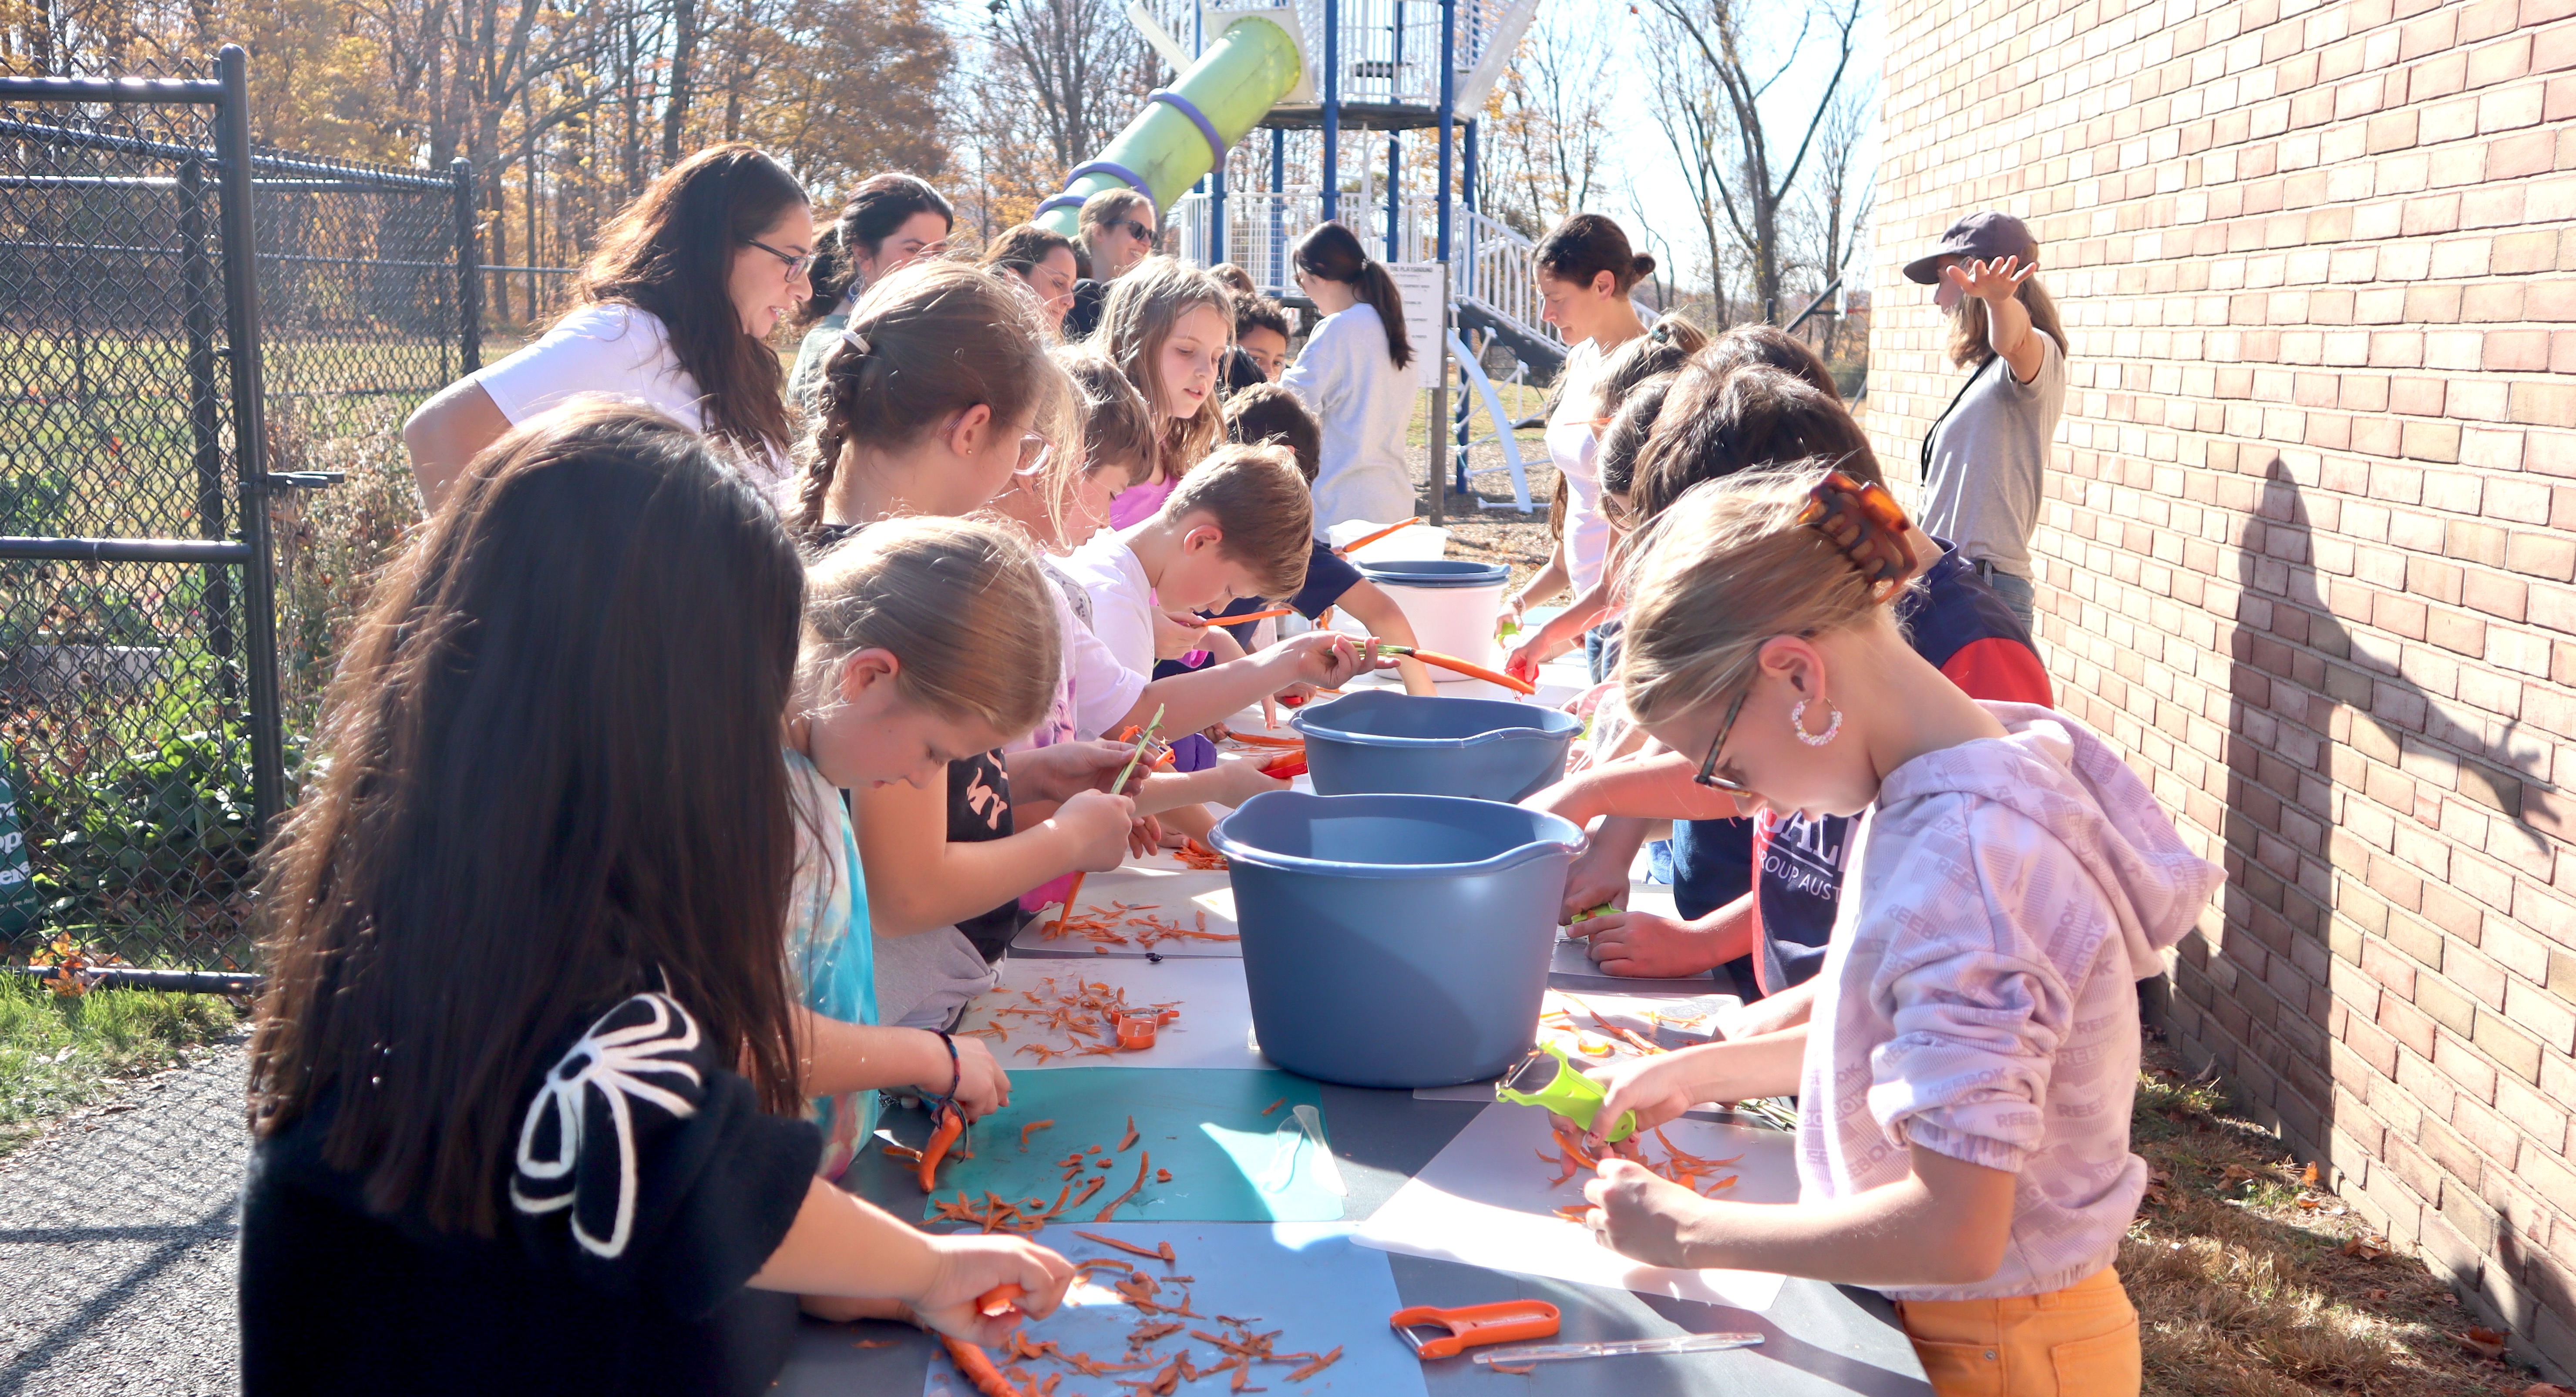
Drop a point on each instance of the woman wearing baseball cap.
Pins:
(1985, 461)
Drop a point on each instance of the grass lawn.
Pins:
(2252, 1281)
(60, 1054)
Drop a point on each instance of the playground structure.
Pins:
(1337, 66)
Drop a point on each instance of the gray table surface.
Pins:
(1818, 1339)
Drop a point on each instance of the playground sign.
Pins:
(1425, 289)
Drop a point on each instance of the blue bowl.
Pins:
(1435, 572)
(1395, 940)
(1385, 742)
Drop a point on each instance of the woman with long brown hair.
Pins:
(890, 222)
(1356, 375)
(524, 1080)
(674, 309)
(1985, 462)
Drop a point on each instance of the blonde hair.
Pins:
(961, 605)
(1724, 569)
(1142, 309)
(1968, 341)
(1255, 495)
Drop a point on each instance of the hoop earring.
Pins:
(1833, 725)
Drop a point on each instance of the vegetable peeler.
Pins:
(1471, 1326)
(1549, 1079)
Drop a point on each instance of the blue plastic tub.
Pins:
(1435, 572)
(1395, 940)
(1383, 742)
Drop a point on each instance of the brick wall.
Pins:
(2309, 539)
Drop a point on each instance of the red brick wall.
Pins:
(2309, 539)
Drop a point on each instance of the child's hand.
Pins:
(1098, 824)
(1241, 778)
(1996, 280)
(1536, 648)
(1174, 637)
(1055, 773)
(1639, 1215)
(982, 1086)
(1144, 836)
(1658, 1089)
(1648, 946)
(1590, 882)
(970, 1265)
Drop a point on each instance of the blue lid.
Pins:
(1435, 572)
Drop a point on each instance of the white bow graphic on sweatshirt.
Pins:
(613, 1063)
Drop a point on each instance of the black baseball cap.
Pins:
(1985, 236)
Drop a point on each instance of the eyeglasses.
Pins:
(1707, 775)
(795, 265)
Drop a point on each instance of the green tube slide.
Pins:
(1186, 127)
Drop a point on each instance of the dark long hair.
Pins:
(553, 781)
(1331, 252)
(1586, 245)
(1720, 420)
(671, 252)
(880, 205)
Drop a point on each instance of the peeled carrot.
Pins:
(999, 1301)
(1243, 620)
(1263, 739)
(1365, 540)
(941, 1137)
(1458, 666)
(1280, 765)
(1072, 891)
(978, 1367)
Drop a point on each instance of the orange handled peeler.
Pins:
(1471, 1326)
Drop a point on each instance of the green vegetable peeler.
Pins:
(1548, 1078)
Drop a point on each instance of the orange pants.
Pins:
(2078, 1342)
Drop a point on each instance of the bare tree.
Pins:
(1546, 135)
(1079, 62)
(1729, 150)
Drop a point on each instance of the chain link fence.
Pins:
(206, 353)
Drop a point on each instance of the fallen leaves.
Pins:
(2485, 1343)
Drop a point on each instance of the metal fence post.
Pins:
(469, 267)
(205, 428)
(250, 435)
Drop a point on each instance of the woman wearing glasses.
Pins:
(1119, 230)
(674, 310)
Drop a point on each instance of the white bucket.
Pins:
(1451, 604)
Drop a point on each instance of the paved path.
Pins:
(117, 1240)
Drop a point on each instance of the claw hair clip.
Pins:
(1871, 529)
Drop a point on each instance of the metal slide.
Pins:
(1187, 127)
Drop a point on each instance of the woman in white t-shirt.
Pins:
(1585, 270)
(1356, 375)
(674, 309)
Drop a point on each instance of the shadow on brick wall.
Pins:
(2313, 714)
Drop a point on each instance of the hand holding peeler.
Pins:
(1472, 1326)
(1550, 1079)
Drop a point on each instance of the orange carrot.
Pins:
(1458, 666)
(1242, 620)
(1365, 540)
(1128, 1247)
(978, 1367)
(1028, 1129)
(999, 1301)
(1072, 892)
(1144, 1159)
(1263, 739)
(941, 1137)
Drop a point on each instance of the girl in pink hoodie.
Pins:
(1964, 1085)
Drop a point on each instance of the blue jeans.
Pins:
(2016, 592)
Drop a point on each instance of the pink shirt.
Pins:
(1979, 994)
(1138, 503)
